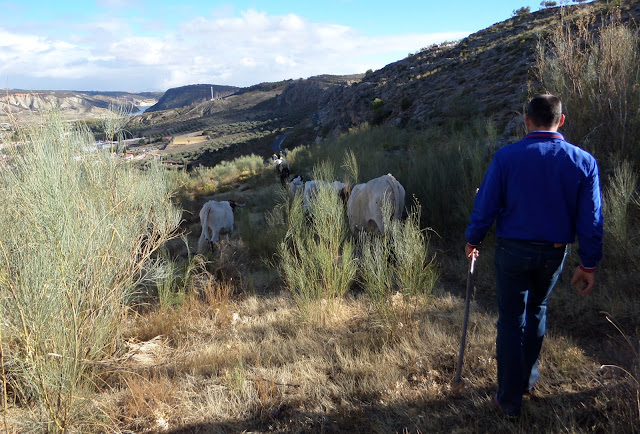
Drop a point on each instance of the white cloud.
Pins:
(243, 50)
(285, 61)
(142, 50)
(21, 43)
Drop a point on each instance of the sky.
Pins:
(154, 45)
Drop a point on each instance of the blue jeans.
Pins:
(526, 273)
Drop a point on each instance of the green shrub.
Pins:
(414, 271)
(525, 10)
(377, 104)
(317, 258)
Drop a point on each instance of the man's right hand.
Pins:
(582, 281)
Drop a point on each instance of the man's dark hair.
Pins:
(544, 110)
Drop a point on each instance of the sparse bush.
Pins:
(173, 281)
(525, 10)
(377, 104)
(113, 124)
(376, 268)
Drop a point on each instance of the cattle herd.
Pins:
(364, 203)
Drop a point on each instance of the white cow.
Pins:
(296, 186)
(311, 188)
(216, 218)
(364, 207)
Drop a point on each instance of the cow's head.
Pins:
(233, 204)
(344, 193)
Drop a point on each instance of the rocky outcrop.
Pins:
(313, 90)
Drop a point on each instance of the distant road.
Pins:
(277, 143)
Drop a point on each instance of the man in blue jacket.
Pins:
(541, 191)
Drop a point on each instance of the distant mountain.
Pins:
(192, 94)
(26, 105)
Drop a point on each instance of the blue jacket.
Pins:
(544, 189)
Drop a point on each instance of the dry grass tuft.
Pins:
(147, 403)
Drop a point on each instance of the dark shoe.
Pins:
(509, 416)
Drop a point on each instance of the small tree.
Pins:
(525, 10)
(548, 4)
(114, 122)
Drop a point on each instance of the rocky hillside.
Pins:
(487, 74)
(192, 94)
(26, 105)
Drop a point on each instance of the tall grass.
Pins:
(173, 281)
(620, 206)
(415, 271)
(396, 263)
(597, 76)
(377, 270)
(77, 233)
(441, 168)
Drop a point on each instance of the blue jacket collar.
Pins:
(544, 135)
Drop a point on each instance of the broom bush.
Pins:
(78, 232)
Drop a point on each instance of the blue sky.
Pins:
(153, 45)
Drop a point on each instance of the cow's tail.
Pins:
(205, 237)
